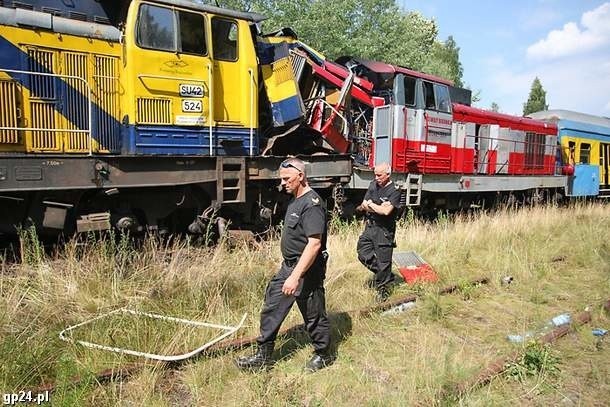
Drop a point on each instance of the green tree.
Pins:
(371, 29)
(347, 27)
(494, 107)
(536, 100)
(444, 61)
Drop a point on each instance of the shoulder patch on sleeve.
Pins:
(315, 200)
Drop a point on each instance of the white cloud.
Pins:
(593, 32)
(598, 20)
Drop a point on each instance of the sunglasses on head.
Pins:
(285, 164)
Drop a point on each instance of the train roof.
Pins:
(90, 18)
(559, 115)
(384, 68)
(253, 17)
(480, 116)
(107, 11)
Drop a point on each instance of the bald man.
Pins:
(375, 245)
(301, 275)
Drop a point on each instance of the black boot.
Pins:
(260, 360)
(320, 360)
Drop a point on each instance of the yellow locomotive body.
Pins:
(140, 77)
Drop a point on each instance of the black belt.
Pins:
(373, 222)
(383, 227)
(292, 263)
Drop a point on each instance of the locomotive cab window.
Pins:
(436, 97)
(224, 39)
(443, 102)
(165, 29)
(430, 102)
(410, 83)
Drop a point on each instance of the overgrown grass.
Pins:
(559, 259)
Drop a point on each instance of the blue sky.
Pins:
(504, 45)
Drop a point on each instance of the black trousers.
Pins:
(310, 298)
(375, 247)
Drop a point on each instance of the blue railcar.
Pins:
(584, 151)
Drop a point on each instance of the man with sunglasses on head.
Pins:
(301, 275)
(375, 245)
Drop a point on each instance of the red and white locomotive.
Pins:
(441, 149)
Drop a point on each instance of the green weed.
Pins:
(31, 248)
(338, 225)
(435, 308)
(537, 359)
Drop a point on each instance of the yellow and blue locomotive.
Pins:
(137, 77)
(143, 113)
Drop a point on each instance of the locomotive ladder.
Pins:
(413, 189)
(231, 179)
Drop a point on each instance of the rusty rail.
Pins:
(498, 366)
(389, 304)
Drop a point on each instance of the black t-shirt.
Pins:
(378, 195)
(305, 217)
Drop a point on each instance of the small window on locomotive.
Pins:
(443, 101)
(410, 90)
(156, 28)
(585, 153)
(168, 30)
(429, 96)
(224, 39)
(192, 38)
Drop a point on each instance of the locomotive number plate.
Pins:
(192, 105)
(191, 90)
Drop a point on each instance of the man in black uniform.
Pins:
(375, 245)
(301, 275)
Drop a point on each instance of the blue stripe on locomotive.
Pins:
(135, 139)
(11, 57)
(191, 141)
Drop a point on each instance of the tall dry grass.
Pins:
(559, 258)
